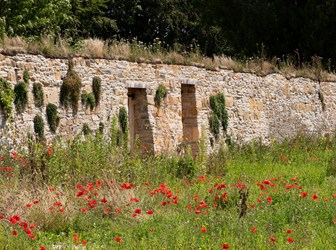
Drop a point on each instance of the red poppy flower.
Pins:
(84, 242)
(203, 229)
(118, 211)
(253, 229)
(225, 246)
(28, 205)
(334, 220)
(304, 194)
(269, 199)
(14, 232)
(137, 211)
(152, 229)
(42, 248)
(288, 231)
(117, 239)
(272, 239)
(314, 197)
(290, 240)
(103, 200)
(84, 210)
(149, 212)
(35, 202)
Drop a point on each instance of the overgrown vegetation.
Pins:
(70, 89)
(26, 76)
(282, 207)
(38, 94)
(96, 89)
(39, 126)
(160, 93)
(21, 96)
(218, 119)
(88, 100)
(6, 98)
(52, 117)
(123, 120)
(86, 129)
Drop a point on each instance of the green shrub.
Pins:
(86, 129)
(331, 167)
(160, 93)
(70, 89)
(96, 88)
(123, 119)
(26, 76)
(101, 127)
(38, 94)
(219, 116)
(21, 96)
(6, 98)
(186, 167)
(52, 117)
(88, 100)
(39, 126)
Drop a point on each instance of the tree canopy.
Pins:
(240, 28)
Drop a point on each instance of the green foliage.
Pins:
(21, 96)
(160, 93)
(219, 116)
(38, 94)
(101, 127)
(86, 129)
(123, 119)
(70, 89)
(96, 88)
(39, 126)
(6, 98)
(26, 76)
(331, 167)
(88, 100)
(217, 163)
(186, 167)
(52, 117)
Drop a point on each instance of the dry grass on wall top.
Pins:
(137, 51)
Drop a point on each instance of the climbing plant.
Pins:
(52, 117)
(70, 89)
(39, 126)
(123, 119)
(96, 88)
(21, 96)
(160, 93)
(26, 76)
(38, 94)
(88, 100)
(219, 116)
(6, 98)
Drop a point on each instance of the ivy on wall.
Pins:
(160, 93)
(52, 117)
(38, 94)
(21, 96)
(6, 98)
(219, 118)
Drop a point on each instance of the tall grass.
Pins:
(94, 191)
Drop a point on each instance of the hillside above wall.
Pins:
(258, 107)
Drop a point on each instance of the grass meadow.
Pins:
(98, 194)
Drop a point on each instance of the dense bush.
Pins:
(160, 93)
(96, 88)
(21, 96)
(39, 126)
(6, 98)
(219, 116)
(52, 117)
(86, 129)
(123, 120)
(70, 89)
(38, 94)
(26, 76)
(88, 100)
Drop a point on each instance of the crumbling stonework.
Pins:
(258, 107)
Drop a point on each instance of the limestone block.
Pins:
(228, 102)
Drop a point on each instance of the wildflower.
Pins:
(149, 212)
(152, 229)
(118, 211)
(334, 220)
(28, 205)
(103, 200)
(225, 246)
(253, 229)
(15, 155)
(269, 199)
(117, 239)
(35, 202)
(290, 240)
(84, 242)
(137, 211)
(134, 215)
(42, 248)
(197, 211)
(51, 189)
(272, 239)
(14, 232)
(304, 194)
(288, 231)
(84, 210)
(314, 197)
(203, 229)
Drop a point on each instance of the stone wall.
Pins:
(258, 107)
